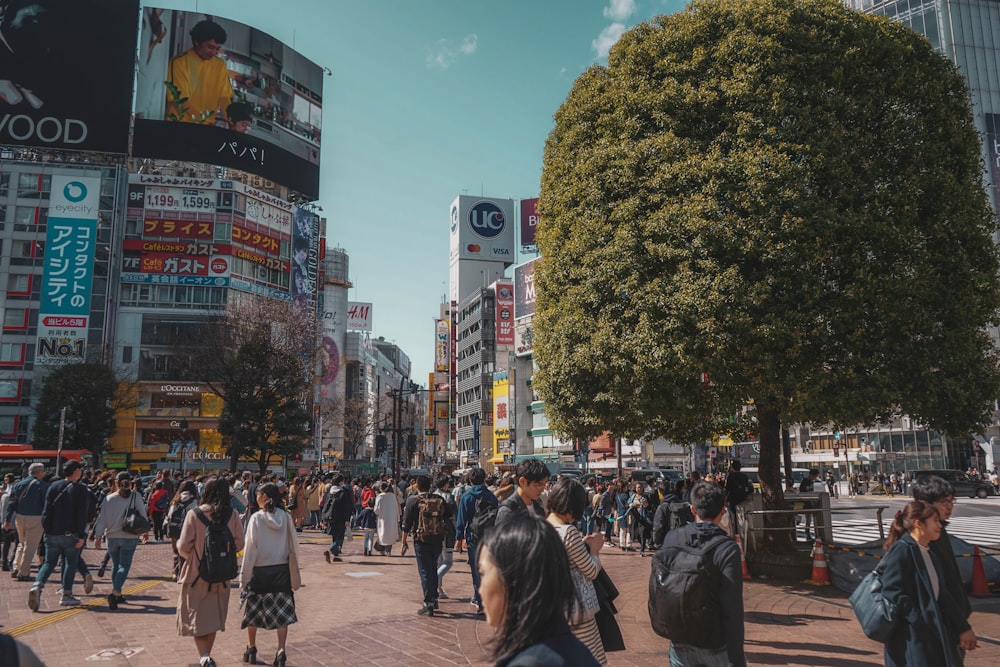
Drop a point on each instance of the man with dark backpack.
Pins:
(425, 517)
(696, 582)
(337, 508)
(477, 514)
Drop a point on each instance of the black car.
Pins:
(962, 483)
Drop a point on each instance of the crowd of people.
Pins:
(560, 611)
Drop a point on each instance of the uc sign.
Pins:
(487, 220)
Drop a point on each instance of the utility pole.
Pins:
(62, 430)
(397, 407)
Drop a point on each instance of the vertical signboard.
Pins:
(524, 289)
(505, 314)
(69, 269)
(529, 221)
(305, 259)
(441, 346)
(501, 414)
(993, 145)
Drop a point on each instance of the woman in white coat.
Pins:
(387, 511)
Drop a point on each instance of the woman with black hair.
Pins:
(203, 607)
(270, 572)
(566, 504)
(528, 605)
(926, 633)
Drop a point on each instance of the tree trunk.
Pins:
(770, 477)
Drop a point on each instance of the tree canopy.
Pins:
(259, 357)
(91, 394)
(778, 202)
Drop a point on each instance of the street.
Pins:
(363, 612)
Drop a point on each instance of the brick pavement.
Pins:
(363, 612)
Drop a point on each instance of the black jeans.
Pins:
(427, 554)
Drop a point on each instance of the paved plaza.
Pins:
(363, 612)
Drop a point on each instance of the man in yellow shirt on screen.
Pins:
(201, 76)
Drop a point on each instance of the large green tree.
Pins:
(91, 394)
(776, 202)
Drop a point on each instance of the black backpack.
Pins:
(175, 521)
(684, 604)
(484, 519)
(218, 560)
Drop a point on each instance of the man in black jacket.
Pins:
(64, 521)
(938, 492)
(717, 637)
(532, 477)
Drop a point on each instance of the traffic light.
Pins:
(411, 443)
(380, 445)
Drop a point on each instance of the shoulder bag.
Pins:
(877, 616)
(586, 603)
(132, 521)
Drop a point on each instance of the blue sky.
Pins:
(428, 100)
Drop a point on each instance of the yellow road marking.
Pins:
(57, 616)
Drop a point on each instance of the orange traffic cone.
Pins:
(743, 560)
(820, 573)
(980, 588)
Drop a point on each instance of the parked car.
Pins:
(961, 482)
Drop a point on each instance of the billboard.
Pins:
(482, 229)
(505, 313)
(524, 289)
(359, 316)
(66, 82)
(69, 269)
(214, 90)
(529, 221)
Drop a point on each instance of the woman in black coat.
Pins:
(924, 636)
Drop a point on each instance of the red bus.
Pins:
(17, 458)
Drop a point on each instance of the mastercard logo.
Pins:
(474, 247)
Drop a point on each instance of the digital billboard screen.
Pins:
(217, 91)
(66, 71)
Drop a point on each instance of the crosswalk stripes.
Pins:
(983, 531)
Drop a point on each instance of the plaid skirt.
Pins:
(269, 611)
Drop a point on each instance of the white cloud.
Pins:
(446, 52)
(607, 39)
(619, 10)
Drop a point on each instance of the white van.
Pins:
(798, 474)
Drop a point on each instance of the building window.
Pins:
(11, 353)
(8, 425)
(21, 248)
(127, 354)
(15, 318)
(10, 390)
(19, 283)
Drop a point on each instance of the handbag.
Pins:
(132, 521)
(586, 603)
(294, 575)
(271, 579)
(877, 616)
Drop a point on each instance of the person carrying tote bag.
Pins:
(270, 573)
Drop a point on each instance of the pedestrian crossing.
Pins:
(980, 530)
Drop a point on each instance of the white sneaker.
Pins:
(69, 601)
